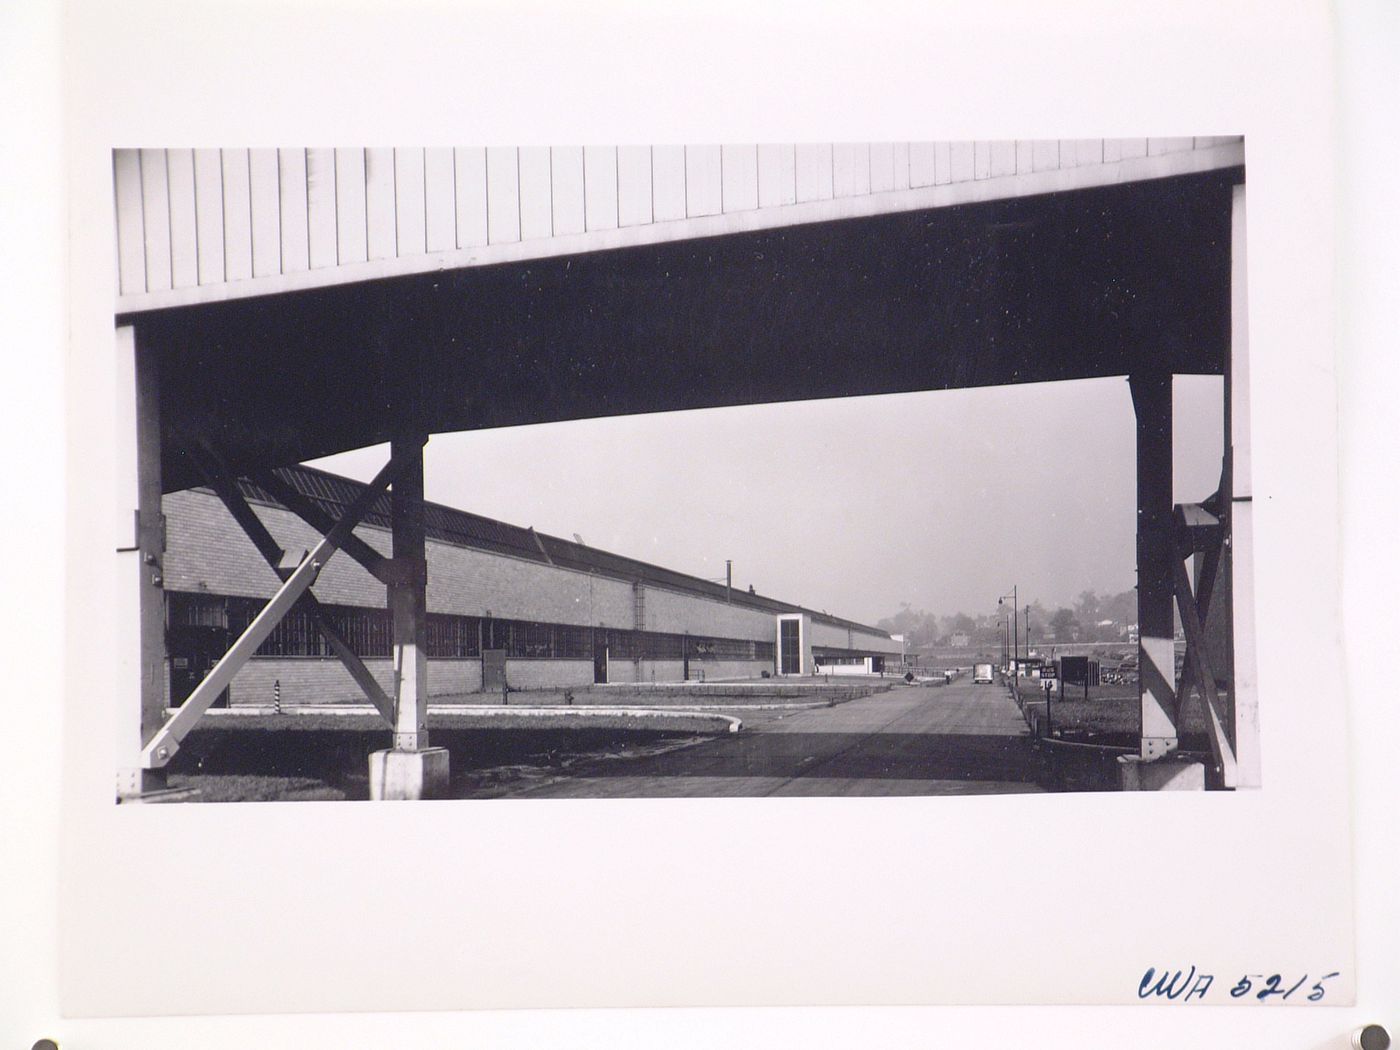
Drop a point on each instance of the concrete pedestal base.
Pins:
(408, 774)
(136, 784)
(1160, 774)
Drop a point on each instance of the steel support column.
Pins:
(1156, 589)
(141, 548)
(408, 599)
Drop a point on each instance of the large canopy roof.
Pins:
(1072, 285)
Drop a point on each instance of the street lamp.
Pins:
(1015, 640)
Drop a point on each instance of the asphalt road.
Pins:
(949, 740)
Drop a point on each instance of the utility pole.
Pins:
(728, 580)
(1015, 639)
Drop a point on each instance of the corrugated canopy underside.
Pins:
(1075, 285)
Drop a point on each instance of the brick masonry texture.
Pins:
(208, 552)
(548, 674)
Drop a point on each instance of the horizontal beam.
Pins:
(891, 303)
(1008, 187)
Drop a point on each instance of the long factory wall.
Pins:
(208, 553)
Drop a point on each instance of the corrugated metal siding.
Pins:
(207, 217)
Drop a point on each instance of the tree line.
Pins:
(1092, 618)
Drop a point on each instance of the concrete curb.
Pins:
(484, 712)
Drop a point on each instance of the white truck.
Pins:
(981, 674)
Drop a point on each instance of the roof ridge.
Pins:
(528, 546)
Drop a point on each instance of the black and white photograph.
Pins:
(634, 471)
(782, 524)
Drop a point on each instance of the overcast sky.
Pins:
(943, 500)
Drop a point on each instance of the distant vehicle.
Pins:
(982, 674)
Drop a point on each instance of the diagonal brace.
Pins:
(380, 567)
(1220, 748)
(268, 547)
(1198, 530)
(166, 741)
(1204, 591)
(368, 684)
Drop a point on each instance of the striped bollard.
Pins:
(277, 696)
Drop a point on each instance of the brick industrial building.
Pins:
(504, 603)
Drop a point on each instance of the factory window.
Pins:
(532, 639)
(241, 613)
(662, 646)
(573, 642)
(197, 610)
(495, 634)
(620, 644)
(295, 635)
(644, 645)
(727, 649)
(625, 645)
(453, 637)
(732, 648)
(368, 632)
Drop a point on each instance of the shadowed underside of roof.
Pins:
(448, 525)
(1074, 285)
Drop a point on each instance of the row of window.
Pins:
(369, 633)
